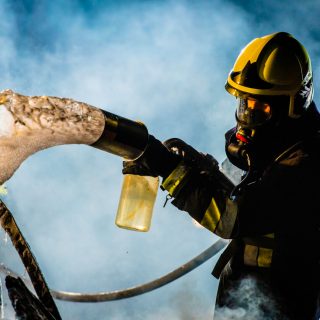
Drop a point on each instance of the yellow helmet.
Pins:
(274, 65)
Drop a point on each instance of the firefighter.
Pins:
(272, 217)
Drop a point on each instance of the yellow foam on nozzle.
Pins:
(3, 99)
(3, 190)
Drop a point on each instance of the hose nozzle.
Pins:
(122, 137)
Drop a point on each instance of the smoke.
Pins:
(161, 62)
(251, 300)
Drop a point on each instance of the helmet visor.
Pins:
(252, 112)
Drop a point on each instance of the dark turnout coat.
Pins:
(275, 222)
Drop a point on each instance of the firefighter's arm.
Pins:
(198, 187)
(192, 179)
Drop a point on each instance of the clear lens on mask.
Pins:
(252, 112)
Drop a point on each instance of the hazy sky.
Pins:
(161, 62)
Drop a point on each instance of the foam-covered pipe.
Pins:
(32, 123)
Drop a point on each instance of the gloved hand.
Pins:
(192, 191)
(203, 165)
(156, 160)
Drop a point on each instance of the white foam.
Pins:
(30, 124)
(6, 122)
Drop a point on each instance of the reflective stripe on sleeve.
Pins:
(221, 224)
(211, 217)
(174, 181)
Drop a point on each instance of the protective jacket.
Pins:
(275, 222)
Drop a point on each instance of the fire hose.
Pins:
(37, 123)
(38, 281)
(146, 287)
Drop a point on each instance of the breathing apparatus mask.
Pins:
(258, 124)
(272, 81)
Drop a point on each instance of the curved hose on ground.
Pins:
(146, 287)
(45, 294)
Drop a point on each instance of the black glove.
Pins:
(203, 165)
(156, 160)
(198, 161)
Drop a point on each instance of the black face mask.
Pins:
(265, 142)
(263, 128)
(233, 150)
